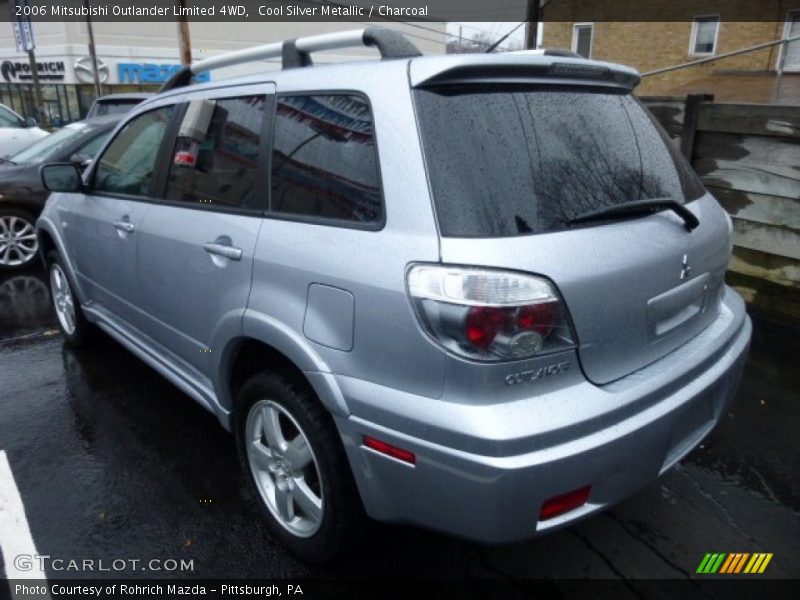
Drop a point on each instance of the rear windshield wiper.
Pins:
(637, 207)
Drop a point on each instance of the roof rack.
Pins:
(296, 53)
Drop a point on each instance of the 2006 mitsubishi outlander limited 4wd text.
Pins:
(482, 294)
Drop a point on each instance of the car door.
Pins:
(102, 224)
(196, 244)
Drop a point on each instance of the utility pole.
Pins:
(532, 27)
(92, 52)
(183, 36)
(37, 89)
(23, 33)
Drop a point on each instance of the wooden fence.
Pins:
(748, 156)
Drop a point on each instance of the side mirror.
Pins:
(61, 177)
(80, 160)
(31, 122)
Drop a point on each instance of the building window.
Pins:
(582, 39)
(704, 35)
(789, 58)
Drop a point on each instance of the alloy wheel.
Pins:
(18, 243)
(62, 299)
(284, 468)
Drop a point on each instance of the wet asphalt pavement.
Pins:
(112, 461)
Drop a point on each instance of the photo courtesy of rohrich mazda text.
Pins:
(464, 300)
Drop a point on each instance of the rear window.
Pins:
(522, 161)
(48, 147)
(117, 107)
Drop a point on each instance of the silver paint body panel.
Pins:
(333, 301)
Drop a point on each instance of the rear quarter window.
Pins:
(520, 161)
(324, 160)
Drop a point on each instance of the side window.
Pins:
(789, 58)
(9, 119)
(704, 35)
(127, 165)
(324, 163)
(215, 159)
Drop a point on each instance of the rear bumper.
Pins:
(628, 433)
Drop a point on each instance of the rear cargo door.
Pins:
(511, 167)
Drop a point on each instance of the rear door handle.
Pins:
(125, 226)
(229, 252)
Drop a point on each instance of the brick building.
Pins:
(690, 30)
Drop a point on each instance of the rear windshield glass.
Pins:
(522, 161)
(117, 107)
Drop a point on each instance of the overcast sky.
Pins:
(497, 30)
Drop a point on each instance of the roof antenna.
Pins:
(492, 48)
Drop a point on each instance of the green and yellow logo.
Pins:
(735, 562)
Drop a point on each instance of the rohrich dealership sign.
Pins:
(20, 71)
(112, 70)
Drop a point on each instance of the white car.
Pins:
(16, 133)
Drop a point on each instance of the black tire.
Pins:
(9, 213)
(343, 524)
(83, 330)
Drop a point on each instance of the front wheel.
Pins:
(74, 327)
(294, 460)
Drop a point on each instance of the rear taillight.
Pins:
(489, 315)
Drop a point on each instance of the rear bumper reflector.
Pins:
(558, 505)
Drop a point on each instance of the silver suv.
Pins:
(482, 294)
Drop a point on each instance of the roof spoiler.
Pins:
(517, 68)
(549, 52)
(297, 53)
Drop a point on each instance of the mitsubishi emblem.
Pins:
(685, 268)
